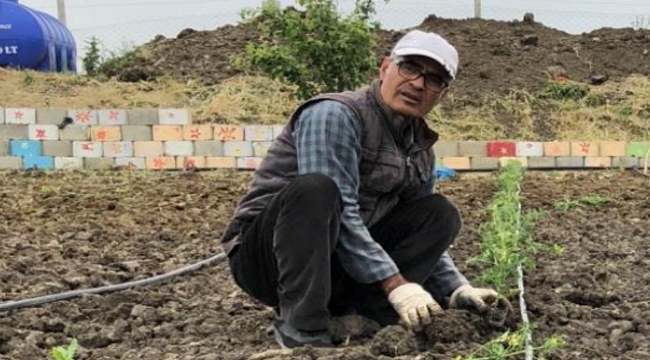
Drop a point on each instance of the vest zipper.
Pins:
(407, 179)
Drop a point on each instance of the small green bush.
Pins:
(117, 61)
(317, 49)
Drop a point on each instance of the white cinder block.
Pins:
(113, 117)
(238, 148)
(179, 148)
(248, 163)
(68, 163)
(530, 149)
(90, 149)
(258, 133)
(173, 116)
(118, 149)
(43, 132)
(261, 148)
(132, 162)
(277, 130)
(20, 116)
(83, 117)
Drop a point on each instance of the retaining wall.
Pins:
(159, 139)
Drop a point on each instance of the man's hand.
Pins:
(470, 298)
(414, 305)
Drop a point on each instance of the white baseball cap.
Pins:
(431, 45)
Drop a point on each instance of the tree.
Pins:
(92, 59)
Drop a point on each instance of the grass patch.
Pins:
(584, 202)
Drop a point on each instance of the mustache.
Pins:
(412, 92)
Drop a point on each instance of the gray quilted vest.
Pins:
(393, 167)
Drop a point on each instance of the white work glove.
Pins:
(414, 305)
(470, 298)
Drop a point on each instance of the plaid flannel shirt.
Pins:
(327, 138)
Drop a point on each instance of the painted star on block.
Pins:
(158, 163)
(40, 134)
(101, 135)
(226, 133)
(83, 116)
(113, 115)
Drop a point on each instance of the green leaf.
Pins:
(67, 353)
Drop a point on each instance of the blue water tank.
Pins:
(30, 39)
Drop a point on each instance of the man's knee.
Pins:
(315, 188)
(440, 207)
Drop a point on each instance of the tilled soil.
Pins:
(78, 230)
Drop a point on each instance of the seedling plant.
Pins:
(583, 202)
(65, 353)
(511, 345)
(506, 238)
(507, 247)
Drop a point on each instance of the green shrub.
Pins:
(118, 61)
(318, 49)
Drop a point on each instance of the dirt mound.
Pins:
(496, 56)
(204, 56)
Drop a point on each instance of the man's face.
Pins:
(412, 98)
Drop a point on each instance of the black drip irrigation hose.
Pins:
(13, 305)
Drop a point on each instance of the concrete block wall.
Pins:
(162, 139)
(490, 155)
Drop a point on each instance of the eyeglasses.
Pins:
(412, 71)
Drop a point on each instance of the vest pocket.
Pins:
(381, 171)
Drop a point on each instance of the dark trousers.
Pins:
(286, 258)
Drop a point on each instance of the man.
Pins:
(341, 214)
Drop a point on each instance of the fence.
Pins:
(133, 22)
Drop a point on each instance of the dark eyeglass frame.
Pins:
(432, 82)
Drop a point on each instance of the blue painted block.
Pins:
(26, 148)
(38, 162)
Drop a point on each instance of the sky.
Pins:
(121, 24)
